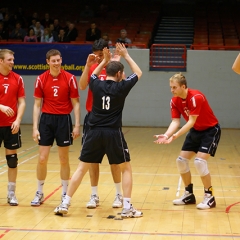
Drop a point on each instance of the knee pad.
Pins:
(12, 160)
(201, 166)
(182, 164)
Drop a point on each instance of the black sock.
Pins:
(189, 188)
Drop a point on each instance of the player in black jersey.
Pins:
(105, 120)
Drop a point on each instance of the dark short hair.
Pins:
(99, 45)
(113, 68)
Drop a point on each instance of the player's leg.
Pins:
(118, 153)
(116, 174)
(128, 209)
(11, 140)
(94, 178)
(182, 162)
(208, 146)
(73, 186)
(41, 174)
(93, 171)
(45, 143)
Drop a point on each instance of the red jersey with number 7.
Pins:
(195, 104)
(11, 88)
(56, 92)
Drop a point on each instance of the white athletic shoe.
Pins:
(131, 213)
(208, 202)
(94, 201)
(38, 199)
(186, 198)
(61, 209)
(11, 199)
(118, 201)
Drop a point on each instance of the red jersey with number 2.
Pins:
(56, 92)
(195, 104)
(102, 76)
(11, 88)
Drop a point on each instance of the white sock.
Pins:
(67, 200)
(64, 186)
(11, 187)
(95, 190)
(127, 203)
(40, 185)
(118, 187)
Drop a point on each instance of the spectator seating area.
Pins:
(217, 24)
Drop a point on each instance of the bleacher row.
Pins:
(218, 25)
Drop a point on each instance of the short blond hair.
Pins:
(179, 78)
(3, 52)
(52, 52)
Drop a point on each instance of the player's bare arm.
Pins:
(7, 110)
(185, 128)
(21, 108)
(173, 127)
(36, 114)
(107, 56)
(122, 51)
(236, 65)
(76, 111)
(83, 81)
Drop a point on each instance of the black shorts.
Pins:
(203, 141)
(100, 141)
(55, 126)
(11, 141)
(85, 126)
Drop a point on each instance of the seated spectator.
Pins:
(18, 32)
(93, 33)
(35, 17)
(106, 38)
(57, 26)
(62, 36)
(54, 33)
(123, 37)
(47, 36)
(46, 21)
(38, 29)
(72, 32)
(31, 37)
(3, 32)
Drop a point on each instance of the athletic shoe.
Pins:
(12, 200)
(38, 200)
(187, 198)
(61, 209)
(94, 201)
(131, 213)
(208, 202)
(118, 201)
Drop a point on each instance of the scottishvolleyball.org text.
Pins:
(46, 67)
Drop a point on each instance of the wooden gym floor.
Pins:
(156, 183)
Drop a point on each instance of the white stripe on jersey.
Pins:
(194, 101)
(73, 82)
(131, 77)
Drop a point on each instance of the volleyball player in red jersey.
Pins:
(12, 106)
(56, 95)
(97, 49)
(201, 141)
(236, 64)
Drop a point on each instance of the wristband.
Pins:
(165, 135)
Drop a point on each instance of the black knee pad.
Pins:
(12, 160)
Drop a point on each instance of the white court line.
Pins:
(179, 186)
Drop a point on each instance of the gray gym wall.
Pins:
(147, 105)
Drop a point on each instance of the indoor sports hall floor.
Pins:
(156, 182)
